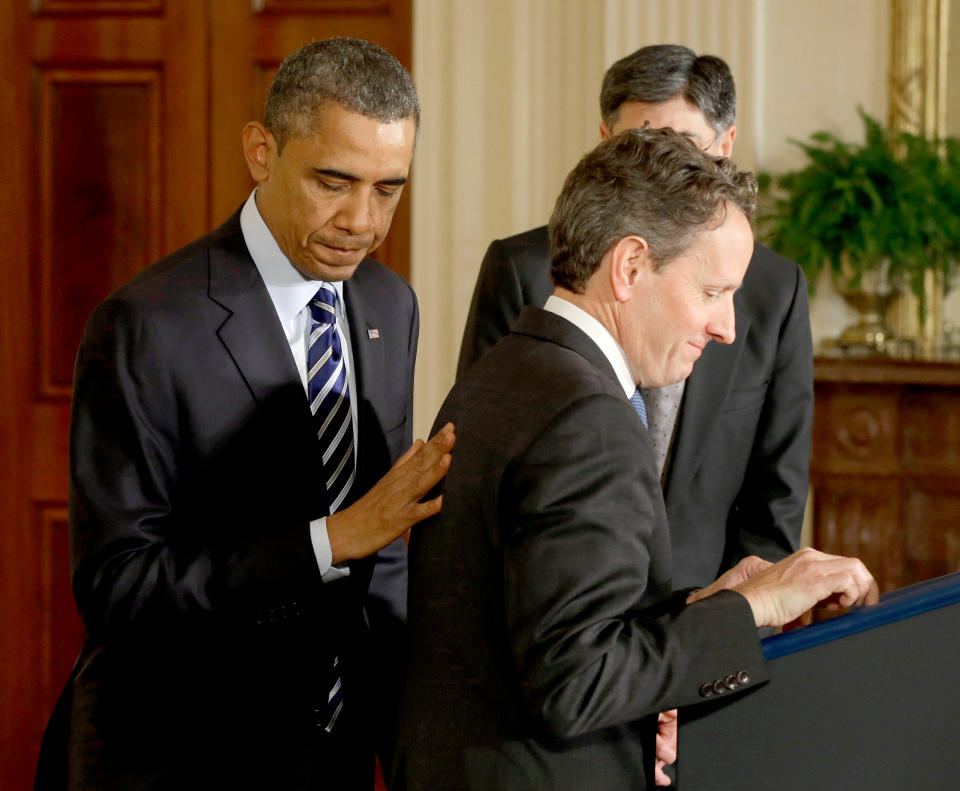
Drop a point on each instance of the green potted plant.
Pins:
(878, 214)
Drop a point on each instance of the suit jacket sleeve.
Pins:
(583, 562)
(767, 517)
(497, 300)
(146, 550)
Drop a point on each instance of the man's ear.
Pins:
(726, 141)
(259, 146)
(629, 260)
(605, 133)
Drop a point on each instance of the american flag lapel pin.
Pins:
(373, 333)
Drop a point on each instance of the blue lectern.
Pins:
(868, 700)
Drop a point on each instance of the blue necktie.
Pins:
(328, 391)
(329, 394)
(637, 400)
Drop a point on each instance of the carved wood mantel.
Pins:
(885, 467)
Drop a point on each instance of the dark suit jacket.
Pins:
(544, 637)
(737, 477)
(194, 474)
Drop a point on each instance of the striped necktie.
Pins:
(329, 393)
(637, 400)
(328, 390)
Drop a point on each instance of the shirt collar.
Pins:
(290, 291)
(600, 335)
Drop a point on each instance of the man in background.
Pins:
(238, 472)
(545, 633)
(732, 442)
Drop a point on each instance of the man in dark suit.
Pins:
(239, 411)
(544, 634)
(733, 442)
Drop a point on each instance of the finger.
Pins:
(418, 485)
(858, 587)
(408, 454)
(420, 511)
(804, 619)
(431, 452)
(439, 444)
(868, 586)
(752, 565)
(444, 438)
(666, 752)
(873, 594)
(659, 776)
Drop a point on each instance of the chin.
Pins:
(330, 273)
(679, 376)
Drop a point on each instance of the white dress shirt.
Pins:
(663, 403)
(600, 335)
(291, 293)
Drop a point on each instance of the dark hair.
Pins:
(664, 71)
(360, 76)
(651, 183)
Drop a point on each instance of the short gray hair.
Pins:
(360, 76)
(651, 183)
(665, 71)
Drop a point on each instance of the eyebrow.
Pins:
(397, 181)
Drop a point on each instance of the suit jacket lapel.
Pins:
(704, 397)
(251, 331)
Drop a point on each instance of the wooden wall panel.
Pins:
(320, 6)
(101, 7)
(60, 623)
(885, 466)
(857, 428)
(932, 530)
(100, 198)
(50, 646)
(931, 432)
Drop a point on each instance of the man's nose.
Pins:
(354, 213)
(723, 325)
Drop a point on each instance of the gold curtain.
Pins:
(918, 104)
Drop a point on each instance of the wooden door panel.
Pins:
(101, 7)
(100, 192)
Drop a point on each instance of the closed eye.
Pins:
(332, 186)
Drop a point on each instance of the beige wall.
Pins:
(509, 90)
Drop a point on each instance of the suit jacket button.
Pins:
(730, 682)
(706, 691)
(718, 687)
(743, 677)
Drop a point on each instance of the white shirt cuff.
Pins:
(321, 548)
